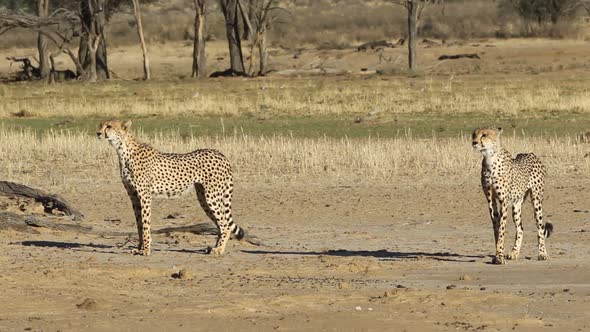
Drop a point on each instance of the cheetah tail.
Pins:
(548, 229)
(239, 232)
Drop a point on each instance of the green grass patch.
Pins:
(403, 125)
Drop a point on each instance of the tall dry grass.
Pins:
(65, 159)
(526, 95)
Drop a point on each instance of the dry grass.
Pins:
(65, 159)
(525, 96)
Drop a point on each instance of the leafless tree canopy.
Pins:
(60, 26)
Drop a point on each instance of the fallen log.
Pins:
(15, 222)
(459, 56)
(50, 201)
(375, 44)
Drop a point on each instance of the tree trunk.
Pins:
(92, 74)
(199, 55)
(146, 62)
(250, 29)
(44, 67)
(253, 46)
(230, 13)
(412, 32)
(263, 53)
(93, 22)
(246, 14)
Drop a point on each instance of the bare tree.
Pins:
(414, 9)
(232, 28)
(146, 62)
(59, 27)
(44, 69)
(199, 55)
(264, 14)
(92, 52)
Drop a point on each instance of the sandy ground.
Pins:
(410, 255)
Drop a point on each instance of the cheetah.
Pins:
(146, 171)
(507, 181)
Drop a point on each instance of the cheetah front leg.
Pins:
(499, 258)
(516, 217)
(493, 207)
(136, 210)
(145, 238)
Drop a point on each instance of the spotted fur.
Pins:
(507, 181)
(146, 171)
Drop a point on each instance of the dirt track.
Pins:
(347, 256)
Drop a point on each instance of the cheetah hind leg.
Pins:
(212, 215)
(543, 229)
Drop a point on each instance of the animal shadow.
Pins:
(380, 254)
(69, 245)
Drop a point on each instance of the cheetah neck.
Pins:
(125, 149)
(493, 157)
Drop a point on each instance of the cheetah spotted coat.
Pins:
(146, 171)
(507, 181)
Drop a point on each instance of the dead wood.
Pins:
(15, 222)
(50, 201)
(375, 45)
(459, 56)
(430, 43)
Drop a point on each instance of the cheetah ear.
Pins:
(127, 124)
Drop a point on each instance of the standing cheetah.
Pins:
(146, 171)
(508, 181)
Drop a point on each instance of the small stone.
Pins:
(88, 304)
(183, 274)
(343, 285)
(174, 215)
(465, 277)
(451, 286)
(358, 308)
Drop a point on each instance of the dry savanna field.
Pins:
(362, 188)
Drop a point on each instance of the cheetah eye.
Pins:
(108, 126)
(484, 135)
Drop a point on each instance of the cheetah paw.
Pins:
(543, 257)
(512, 256)
(498, 260)
(141, 252)
(215, 251)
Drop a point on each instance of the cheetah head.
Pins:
(486, 140)
(113, 130)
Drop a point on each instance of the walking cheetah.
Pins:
(508, 181)
(146, 171)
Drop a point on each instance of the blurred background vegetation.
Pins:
(341, 23)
